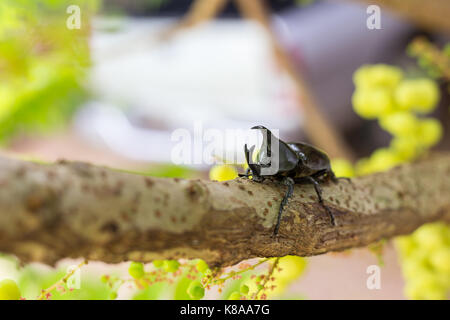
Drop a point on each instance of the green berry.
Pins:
(244, 289)
(9, 290)
(136, 270)
(158, 263)
(235, 296)
(446, 49)
(201, 266)
(196, 290)
(104, 278)
(113, 295)
(171, 265)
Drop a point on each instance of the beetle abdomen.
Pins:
(315, 159)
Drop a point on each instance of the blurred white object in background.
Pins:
(220, 74)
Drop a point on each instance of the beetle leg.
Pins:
(336, 179)
(247, 173)
(319, 195)
(289, 182)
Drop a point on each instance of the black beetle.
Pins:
(289, 163)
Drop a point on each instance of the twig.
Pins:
(46, 292)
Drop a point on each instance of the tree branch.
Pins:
(72, 209)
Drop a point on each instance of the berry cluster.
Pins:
(399, 104)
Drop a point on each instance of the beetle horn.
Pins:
(259, 127)
(266, 146)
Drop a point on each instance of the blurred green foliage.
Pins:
(171, 171)
(42, 64)
(153, 292)
(166, 171)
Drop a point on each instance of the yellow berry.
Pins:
(427, 237)
(430, 132)
(406, 245)
(378, 75)
(342, 167)
(406, 147)
(291, 268)
(223, 172)
(420, 95)
(363, 166)
(9, 290)
(383, 159)
(440, 260)
(415, 264)
(425, 287)
(400, 123)
(372, 103)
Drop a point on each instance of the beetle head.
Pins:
(274, 156)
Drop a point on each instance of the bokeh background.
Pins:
(113, 91)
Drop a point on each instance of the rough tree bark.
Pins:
(72, 209)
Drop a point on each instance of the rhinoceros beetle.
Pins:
(289, 163)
